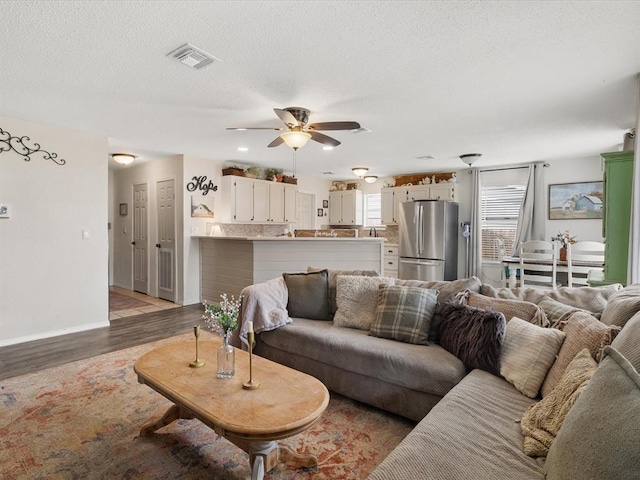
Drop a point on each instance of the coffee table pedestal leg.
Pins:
(266, 455)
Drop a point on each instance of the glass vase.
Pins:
(226, 358)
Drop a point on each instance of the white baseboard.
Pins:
(55, 333)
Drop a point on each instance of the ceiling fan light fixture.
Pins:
(470, 158)
(123, 158)
(370, 179)
(360, 171)
(295, 139)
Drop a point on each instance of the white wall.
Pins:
(320, 188)
(125, 178)
(52, 281)
(212, 169)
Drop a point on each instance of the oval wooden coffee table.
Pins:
(286, 403)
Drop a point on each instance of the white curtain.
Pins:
(633, 270)
(532, 212)
(474, 259)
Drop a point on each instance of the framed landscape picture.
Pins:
(572, 201)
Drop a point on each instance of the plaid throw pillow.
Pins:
(404, 313)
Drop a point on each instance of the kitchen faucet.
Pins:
(373, 232)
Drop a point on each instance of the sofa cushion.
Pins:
(627, 341)
(582, 330)
(593, 299)
(599, 437)
(510, 308)
(471, 434)
(622, 306)
(404, 313)
(527, 354)
(430, 369)
(308, 295)
(448, 290)
(357, 297)
(473, 335)
(333, 275)
(557, 311)
(542, 421)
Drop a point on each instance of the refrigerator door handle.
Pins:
(420, 230)
(428, 263)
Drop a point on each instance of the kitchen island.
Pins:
(228, 264)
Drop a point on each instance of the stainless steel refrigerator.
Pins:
(428, 240)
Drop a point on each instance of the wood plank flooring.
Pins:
(122, 333)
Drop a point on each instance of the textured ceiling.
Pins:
(516, 81)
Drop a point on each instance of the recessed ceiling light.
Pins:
(327, 147)
(243, 149)
(328, 173)
(361, 130)
(426, 157)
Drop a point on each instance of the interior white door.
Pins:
(306, 211)
(166, 245)
(140, 239)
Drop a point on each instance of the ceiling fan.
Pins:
(298, 131)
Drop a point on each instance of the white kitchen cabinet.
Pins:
(392, 197)
(290, 203)
(345, 207)
(444, 191)
(390, 260)
(247, 200)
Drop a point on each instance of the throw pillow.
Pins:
(333, 274)
(308, 295)
(599, 436)
(622, 306)
(527, 354)
(582, 331)
(556, 311)
(528, 311)
(357, 297)
(542, 421)
(448, 290)
(473, 335)
(404, 313)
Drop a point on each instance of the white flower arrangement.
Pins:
(222, 318)
(564, 238)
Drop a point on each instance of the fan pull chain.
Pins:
(294, 162)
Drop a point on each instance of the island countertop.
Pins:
(297, 239)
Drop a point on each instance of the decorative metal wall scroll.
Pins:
(19, 145)
(198, 183)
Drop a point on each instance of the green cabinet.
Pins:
(616, 219)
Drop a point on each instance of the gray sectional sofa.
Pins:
(469, 419)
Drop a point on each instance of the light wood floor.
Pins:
(122, 333)
(155, 304)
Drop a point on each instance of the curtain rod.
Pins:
(507, 168)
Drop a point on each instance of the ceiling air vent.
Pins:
(192, 57)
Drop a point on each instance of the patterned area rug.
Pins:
(81, 421)
(118, 302)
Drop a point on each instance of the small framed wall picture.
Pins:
(320, 212)
(123, 208)
(325, 203)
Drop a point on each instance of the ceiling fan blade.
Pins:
(276, 141)
(286, 117)
(255, 128)
(334, 126)
(324, 139)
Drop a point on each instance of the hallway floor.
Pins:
(127, 303)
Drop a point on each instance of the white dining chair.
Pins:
(584, 253)
(538, 264)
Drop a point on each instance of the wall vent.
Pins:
(192, 57)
